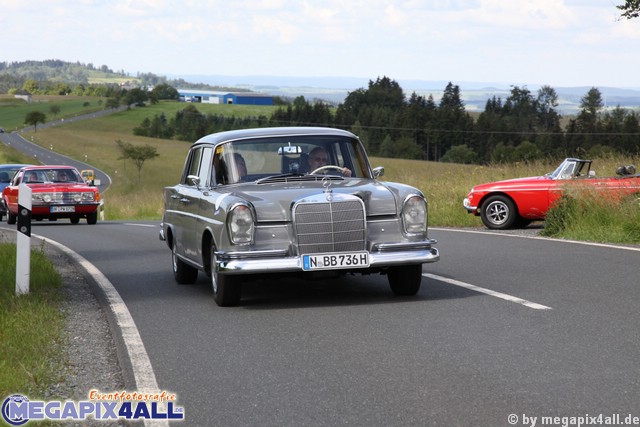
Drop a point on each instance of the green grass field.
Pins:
(13, 111)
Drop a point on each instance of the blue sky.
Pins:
(520, 42)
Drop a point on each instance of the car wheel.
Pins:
(498, 213)
(1, 216)
(405, 280)
(182, 272)
(92, 218)
(74, 219)
(227, 289)
(11, 218)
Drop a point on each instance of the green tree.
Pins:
(136, 96)
(112, 103)
(451, 121)
(164, 91)
(31, 86)
(54, 109)
(581, 130)
(630, 9)
(460, 154)
(35, 117)
(138, 153)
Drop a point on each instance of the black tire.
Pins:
(75, 219)
(1, 216)
(405, 280)
(182, 272)
(227, 289)
(498, 213)
(11, 219)
(92, 218)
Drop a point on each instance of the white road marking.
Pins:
(500, 295)
(551, 239)
(141, 225)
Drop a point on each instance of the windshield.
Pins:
(564, 171)
(39, 176)
(299, 156)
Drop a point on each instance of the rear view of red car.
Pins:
(57, 192)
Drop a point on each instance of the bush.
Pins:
(588, 215)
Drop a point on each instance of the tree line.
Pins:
(523, 127)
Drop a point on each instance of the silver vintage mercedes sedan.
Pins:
(294, 200)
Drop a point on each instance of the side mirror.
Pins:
(378, 171)
(592, 174)
(193, 180)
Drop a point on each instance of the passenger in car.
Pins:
(230, 170)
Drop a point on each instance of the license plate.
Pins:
(334, 261)
(60, 209)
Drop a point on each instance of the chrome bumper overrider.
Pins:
(467, 205)
(277, 261)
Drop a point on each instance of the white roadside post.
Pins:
(23, 255)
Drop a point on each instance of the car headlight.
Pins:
(414, 215)
(44, 197)
(240, 224)
(88, 197)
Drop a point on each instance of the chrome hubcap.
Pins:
(497, 212)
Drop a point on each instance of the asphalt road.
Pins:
(551, 331)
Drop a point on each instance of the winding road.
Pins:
(503, 326)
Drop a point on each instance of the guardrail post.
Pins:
(23, 251)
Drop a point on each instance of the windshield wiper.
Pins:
(277, 177)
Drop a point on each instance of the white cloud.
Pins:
(542, 41)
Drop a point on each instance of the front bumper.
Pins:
(466, 203)
(277, 261)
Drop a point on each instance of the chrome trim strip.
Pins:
(403, 246)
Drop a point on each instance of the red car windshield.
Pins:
(39, 176)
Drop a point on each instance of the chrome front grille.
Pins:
(337, 226)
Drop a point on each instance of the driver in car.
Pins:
(318, 157)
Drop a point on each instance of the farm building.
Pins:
(213, 97)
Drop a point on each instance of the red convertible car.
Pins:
(57, 192)
(517, 202)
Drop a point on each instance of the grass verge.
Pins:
(31, 326)
(592, 217)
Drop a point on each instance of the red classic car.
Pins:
(57, 192)
(517, 202)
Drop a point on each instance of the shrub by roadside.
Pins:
(591, 217)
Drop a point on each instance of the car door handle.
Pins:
(184, 200)
(174, 196)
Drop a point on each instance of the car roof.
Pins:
(38, 167)
(13, 166)
(231, 135)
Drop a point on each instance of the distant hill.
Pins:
(474, 94)
(330, 89)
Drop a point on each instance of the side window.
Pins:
(206, 164)
(193, 165)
